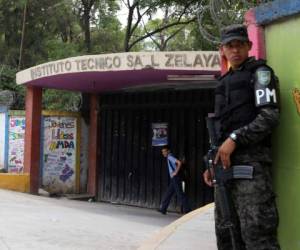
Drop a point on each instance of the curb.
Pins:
(166, 232)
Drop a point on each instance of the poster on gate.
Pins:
(159, 134)
(59, 154)
(16, 136)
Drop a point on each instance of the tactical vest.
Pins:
(235, 102)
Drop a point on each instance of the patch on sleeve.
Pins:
(265, 87)
(264, 77)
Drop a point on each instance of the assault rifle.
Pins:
(221, 177)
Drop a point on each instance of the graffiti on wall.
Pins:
(2, 140)
(16, 136)
(59, 158)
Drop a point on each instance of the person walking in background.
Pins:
(174, 166)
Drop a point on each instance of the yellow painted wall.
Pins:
(15, 182)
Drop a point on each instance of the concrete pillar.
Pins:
(92, 185)
(32, 136)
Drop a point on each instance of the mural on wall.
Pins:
(59, 154)
(296, 95)
(16, 137)
(2, 139)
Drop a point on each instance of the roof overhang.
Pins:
(123, 71)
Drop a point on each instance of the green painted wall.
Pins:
(283, 54)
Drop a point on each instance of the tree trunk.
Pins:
(87, 7)
(128, 29)
(22, 37)
(87, 30)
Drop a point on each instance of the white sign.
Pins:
(184, 60)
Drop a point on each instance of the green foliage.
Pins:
(185, 37)
(198, 42)
(107, 35)
(53, 31)
(7, 77)
(59, 29)
(57, 49)
(7, 82)
(61, 100)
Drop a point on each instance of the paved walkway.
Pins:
(193, 231)
(41, 223)
(29, 222)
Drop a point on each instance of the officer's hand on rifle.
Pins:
(224, 152)
(208, 177)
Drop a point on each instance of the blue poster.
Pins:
(160, 134)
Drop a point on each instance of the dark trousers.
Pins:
(175, 187)
(255, 214)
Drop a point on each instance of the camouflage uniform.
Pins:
(253, 201)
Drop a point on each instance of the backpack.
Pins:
(183, 172)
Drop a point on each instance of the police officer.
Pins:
(246, 106)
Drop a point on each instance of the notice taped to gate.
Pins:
(160, 134)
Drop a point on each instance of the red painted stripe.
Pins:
(256, 35)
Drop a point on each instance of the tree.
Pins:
(162, 38)
(34, 32)
(43, 22)
(7, 82)
(9, 28)
(83, 9)
(106, 28)
(53, 30)
(212, 15)
(216, 14)
(138, 10)
(92, 14)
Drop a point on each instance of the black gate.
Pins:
(134, 172)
